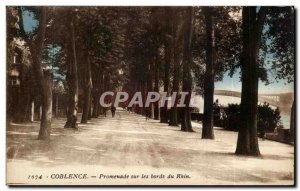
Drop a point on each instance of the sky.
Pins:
(29, 22)
(234, 84)
(228, 83)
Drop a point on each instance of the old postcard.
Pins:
(140, 95)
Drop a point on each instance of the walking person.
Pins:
(113, 110)
(147, 113)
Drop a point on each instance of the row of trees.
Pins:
(153, 48)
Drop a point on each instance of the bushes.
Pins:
(195, 110)
(229, 118)
(268, 118)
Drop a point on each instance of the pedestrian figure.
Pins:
(147, 113)
(113, 110)
(105, 111)
(128, 110)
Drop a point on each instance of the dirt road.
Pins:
(147, 151)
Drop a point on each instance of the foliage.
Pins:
(268, 118)
(227, 42)
(281, 37)
(99, 40)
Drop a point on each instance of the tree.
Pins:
(177, 47)
(72, 77)
(186, 124)
(97, 80)
(292, 123)
(216, 50)
(156, 33)
(253, 23)
(43, 76)
(207, 129)
(156, 83)
(88, 90)
(167, 61)
(281, 22)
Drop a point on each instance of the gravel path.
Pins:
(147, 151)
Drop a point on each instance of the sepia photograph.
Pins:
(150, 95)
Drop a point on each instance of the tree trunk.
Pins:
(73, 81)
(90, 108)
(44, 79)
(98, 81)
(149, 87)
(173, 111)
(252, 28)
(143, 90)
(186, 124)
(95, 104)
(56, 106)
(207, 129)
(105, 86)
(87, 93)
(176, 55)
(28, 106)
(292, 123)
(167, 59)
(46, 118)
(40, 112)
(156, 86)
(32, 111)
